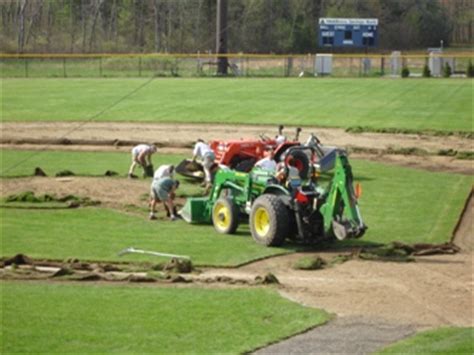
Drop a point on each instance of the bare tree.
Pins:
(21, 24)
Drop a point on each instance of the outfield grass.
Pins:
(416, 104)
(47, 318)
(439, 341)
(16, 163)
(99, 234)
(403, 204)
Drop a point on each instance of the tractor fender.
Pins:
(280, 191)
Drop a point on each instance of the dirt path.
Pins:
(178, 138)
(178, 134)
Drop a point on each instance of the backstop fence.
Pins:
(240, 65)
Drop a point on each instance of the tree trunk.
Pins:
(156, 12)
(21, 25)
(94, 23)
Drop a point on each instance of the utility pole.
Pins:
(221, 37)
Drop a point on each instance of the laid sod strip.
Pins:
(80, 163)
(42, 318)
(421, 104)
(439, 341)
(398, 204)
(100, 234)
(409, 205)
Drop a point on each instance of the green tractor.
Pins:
(308, 213)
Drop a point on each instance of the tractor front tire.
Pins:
(269, 220)
(225, 216)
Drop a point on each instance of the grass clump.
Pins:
(309, 263)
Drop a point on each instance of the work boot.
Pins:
(173, 218)
(152, 217)
(131, 176)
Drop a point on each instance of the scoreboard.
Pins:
(348, 32)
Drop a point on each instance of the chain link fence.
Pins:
(240, 65)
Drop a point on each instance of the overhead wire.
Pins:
(80, 125)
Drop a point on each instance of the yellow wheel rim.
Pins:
(221, 217)
(261, 221)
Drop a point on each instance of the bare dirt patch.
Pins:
(111, 192)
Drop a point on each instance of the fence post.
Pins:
(140, 66)
(382, 66)
(26, 67)
(100, 66)
(64, 67)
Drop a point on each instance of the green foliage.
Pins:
(375, 103)
(447, 71)
(426, 71)
(405, 72)
(470, 70)
(438, 341)
(59, 318)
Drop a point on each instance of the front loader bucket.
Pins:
(190, 169)
(196, 210)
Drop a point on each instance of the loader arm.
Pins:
(340, 210)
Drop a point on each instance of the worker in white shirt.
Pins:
(267, 163)
(141, 155)
(164, 171)
(204, 152)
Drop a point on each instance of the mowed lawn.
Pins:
(403, 204)
(61, 318)
(447, 341)
(416, 104)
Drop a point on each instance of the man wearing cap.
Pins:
(141, 155)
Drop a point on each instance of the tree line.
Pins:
(189, 26)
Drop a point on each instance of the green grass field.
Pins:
(415, 104)
(58, 318)
(447, 341)
(401, 204)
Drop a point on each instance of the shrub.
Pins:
(470, 70)
(426, 71)
(447, 70)
(405, 72)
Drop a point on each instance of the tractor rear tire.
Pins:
(225, 216)
(269, 220)
(302, 162)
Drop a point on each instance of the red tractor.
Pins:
(241, 155)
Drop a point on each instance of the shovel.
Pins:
(155, 253)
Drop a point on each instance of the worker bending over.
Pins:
(163, 189)
(141, 155)
(207, 157)
(164, 171)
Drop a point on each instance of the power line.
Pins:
(81, 124)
